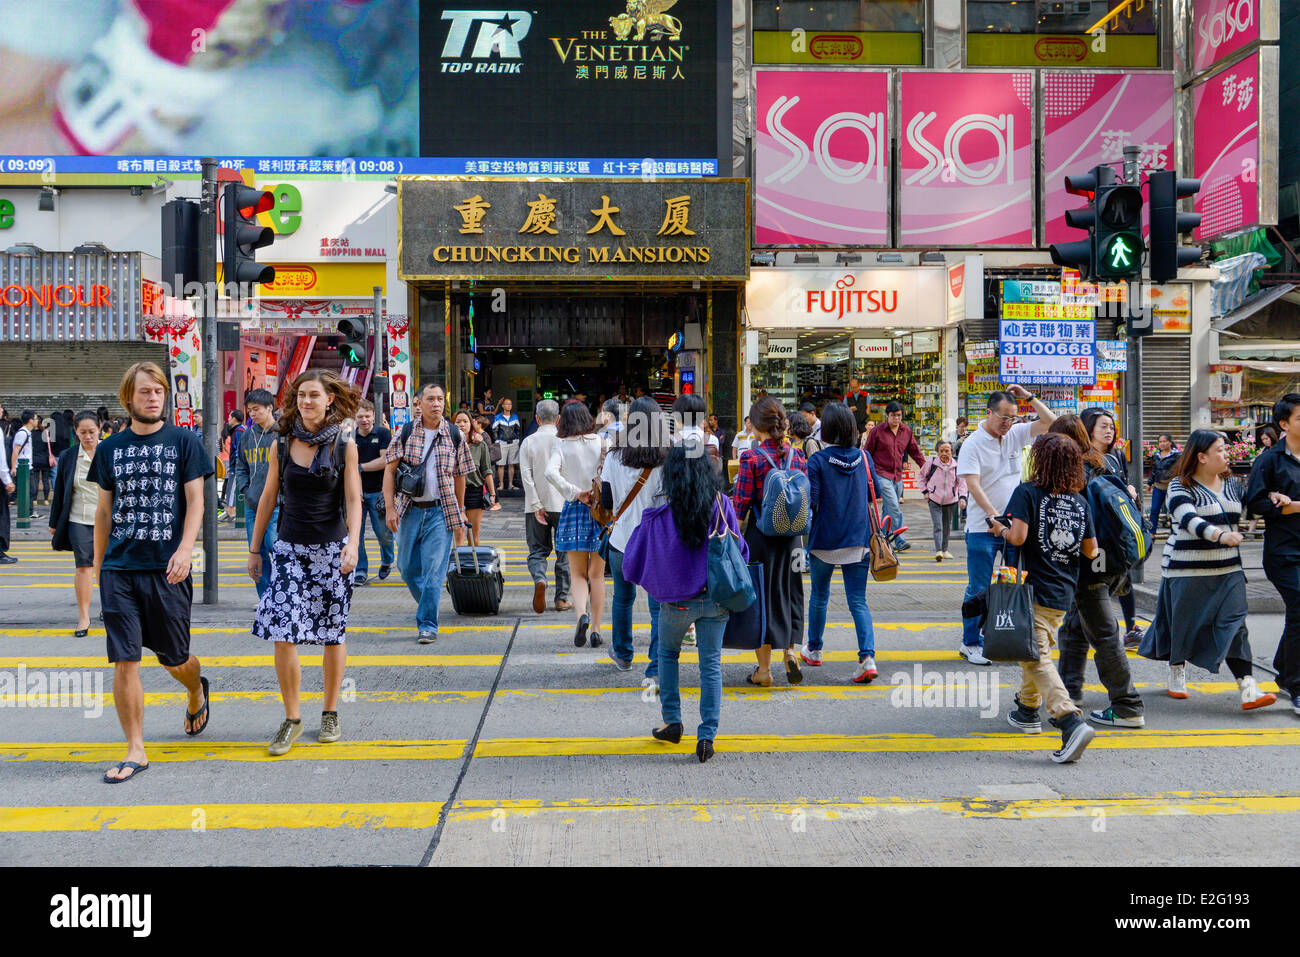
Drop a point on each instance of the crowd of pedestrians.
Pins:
(648, 493)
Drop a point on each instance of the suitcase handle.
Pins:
(473, 547)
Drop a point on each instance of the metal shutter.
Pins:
(46, 376)
(1166, 386)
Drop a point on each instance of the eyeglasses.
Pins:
(1004, 418)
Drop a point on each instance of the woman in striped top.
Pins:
(1201, 612)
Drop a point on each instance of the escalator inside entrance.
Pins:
(563, 373)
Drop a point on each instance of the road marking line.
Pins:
(219, 817)
(266, 661)
(185, 751)
(882, 743)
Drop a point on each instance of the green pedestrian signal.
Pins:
(1121, 257)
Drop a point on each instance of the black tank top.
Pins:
(311, 506)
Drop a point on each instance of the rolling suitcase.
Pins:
(474, 579)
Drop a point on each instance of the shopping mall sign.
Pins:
(578, 229)
(858, 299)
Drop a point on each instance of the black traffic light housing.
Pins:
(1081, 254)
(1167, 224)
(352, 349)
(1117, 244)
(242, 235)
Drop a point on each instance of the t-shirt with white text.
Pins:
(1058, 526)
(147, 476)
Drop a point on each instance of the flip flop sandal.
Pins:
(792, 672)
(136, 771)
(750, 679)
(191, 718)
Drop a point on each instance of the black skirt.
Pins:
(473, 497)
(783, 584)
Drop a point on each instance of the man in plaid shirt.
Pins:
(424, 524)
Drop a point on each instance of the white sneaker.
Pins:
(689, 637)
(651, 685)
(866, 671)
(810, 657)
(1178, 681)
(1251, 696)
(949, 556)
(974, 654)
(938, 556)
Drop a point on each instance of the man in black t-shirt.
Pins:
(372, 443)
(150, 508)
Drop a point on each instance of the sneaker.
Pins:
(689, 637)
(290, 731)
(949, 556)
(1178, 681)
(810, 657)
(938, 556)
(580, 633)
(902, 545)
(329, 727)
(1025, 719)
(427, 637)
(1075, 736)
(539, 597)
(866, 671)
(7, 559)
(1133, 637)
(650, 684)
(974, 654)
(1252, 697)
(385, 571)
(622, 664)
(358, 580)
(1109, 717)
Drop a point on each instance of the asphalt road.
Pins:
(504, 744)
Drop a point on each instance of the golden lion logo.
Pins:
(647, 16)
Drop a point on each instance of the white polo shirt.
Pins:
(997, 465)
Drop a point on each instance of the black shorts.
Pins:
(144, 610)
(82, 538)
(474, 497)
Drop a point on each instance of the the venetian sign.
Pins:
(537, 229)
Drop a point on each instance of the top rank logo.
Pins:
(498, 32)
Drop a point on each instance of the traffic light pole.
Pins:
(376, 357)
(1133, 366)
(211, 417)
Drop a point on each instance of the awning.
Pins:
(1286, 368)
(1261, 300)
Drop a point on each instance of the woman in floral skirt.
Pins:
(315, 477)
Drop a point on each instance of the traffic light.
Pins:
(352, 350)
(1081, 254)
(1167, 224)
(243, 236)
(1117, 244)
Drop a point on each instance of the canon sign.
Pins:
(1224, 29)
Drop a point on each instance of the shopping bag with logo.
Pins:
(1009, 627)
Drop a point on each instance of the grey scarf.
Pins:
(323, 462)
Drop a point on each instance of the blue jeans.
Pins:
(423, 554)
(980, 549)
(710, 620)
(621, 616)
(891, 494)
(1157, 506)
(373, 503)
(855, 590)
(268, 545)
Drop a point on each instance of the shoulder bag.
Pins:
(729, 581)
(602, 516)
(884, 563)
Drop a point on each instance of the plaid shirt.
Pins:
(753, 470)
(450, 461)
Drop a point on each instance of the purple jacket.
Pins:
(658, 560)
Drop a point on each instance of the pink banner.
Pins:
(1220, 28)
(1088, 119)
(1225, 117)
(967, 158)
(821, 167)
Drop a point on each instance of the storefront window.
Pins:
(1062, 33)
(837, 32)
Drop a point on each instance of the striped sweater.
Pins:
(1199, 516)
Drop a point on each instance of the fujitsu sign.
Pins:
(845, 300)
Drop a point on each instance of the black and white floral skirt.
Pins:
(309, 597)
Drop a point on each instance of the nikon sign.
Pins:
(575, 229)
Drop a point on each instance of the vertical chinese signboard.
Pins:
(966, 159)
(400, 384)
(1234, 118)
(822, 162)
(171, 321)
(1088, 119)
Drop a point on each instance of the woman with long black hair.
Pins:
(667, 555)
(1201, 609)
(785, 613)
(314, 472)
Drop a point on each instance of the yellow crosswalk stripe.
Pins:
(422, 815)
(184, 751)
(530, 622)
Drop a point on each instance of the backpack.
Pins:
(1122, 531)
(786, 504)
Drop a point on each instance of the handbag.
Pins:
(1009, 628)
(747, 629)
(729, 582)
(599, 513)
(409, 479)
(602, 547)
(884, 563)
